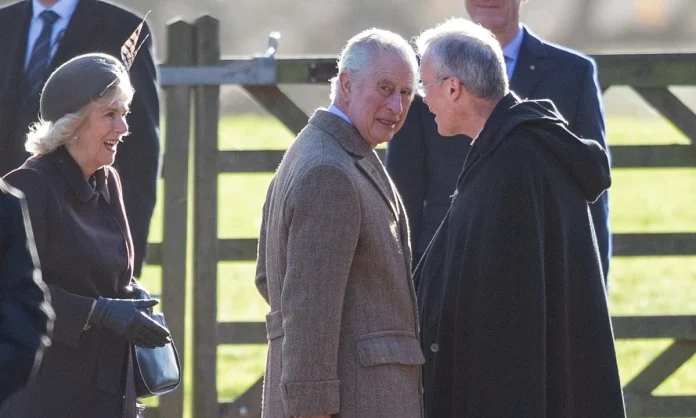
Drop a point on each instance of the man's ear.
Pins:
(454, 88)
(346, 85)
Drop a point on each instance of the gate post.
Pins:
(205, 242)
(175, 172)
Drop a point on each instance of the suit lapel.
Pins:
(78, 33)
(14, 49)
(530, 68)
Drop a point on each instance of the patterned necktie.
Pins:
(36, 71)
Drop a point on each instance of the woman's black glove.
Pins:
(134, 291)
(124, 317)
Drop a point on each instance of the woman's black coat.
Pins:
(85, 250)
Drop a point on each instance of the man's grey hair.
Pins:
(357, 56)
(470, 52)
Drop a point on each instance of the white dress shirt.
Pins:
(64, 9)
(511, 51)
(336, 111)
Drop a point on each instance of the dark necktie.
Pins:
(36, 72)
(508, 63)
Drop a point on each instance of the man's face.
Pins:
(494, 15)
(378, 104)
(436, 97)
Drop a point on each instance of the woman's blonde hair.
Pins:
(45, 136)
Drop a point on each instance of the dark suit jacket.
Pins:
(425, 165)
(95, 26)
(85, 250)
(26, 317)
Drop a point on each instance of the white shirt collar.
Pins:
(64, 8)
(336, 111)
(512, 49)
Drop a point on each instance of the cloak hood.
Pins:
(585, 160)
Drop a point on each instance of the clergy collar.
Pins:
(73, 176)
(492, 125)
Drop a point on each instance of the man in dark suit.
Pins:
(425, 165)
(26, 317)
(37, 36)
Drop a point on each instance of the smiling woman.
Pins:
(92, 132)
(95, 141)
(84, 244)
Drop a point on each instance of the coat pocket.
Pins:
(388, 380)
(389, 347)
(274, 325)
(272, 404)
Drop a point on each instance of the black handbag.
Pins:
(156, 370)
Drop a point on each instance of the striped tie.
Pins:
(36, 71)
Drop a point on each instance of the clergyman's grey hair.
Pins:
(470, 52)
(357, 56)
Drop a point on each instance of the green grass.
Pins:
(642, 200)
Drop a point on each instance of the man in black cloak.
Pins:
(513, 310)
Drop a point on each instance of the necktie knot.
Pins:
(49, 17)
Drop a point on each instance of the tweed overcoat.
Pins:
(334, 265)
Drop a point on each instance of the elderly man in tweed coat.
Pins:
(334, 253)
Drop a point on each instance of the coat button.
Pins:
(434, 348)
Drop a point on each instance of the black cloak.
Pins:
(513, 309)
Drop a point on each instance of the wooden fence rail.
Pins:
(191, 79)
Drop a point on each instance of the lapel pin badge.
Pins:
(532, 67)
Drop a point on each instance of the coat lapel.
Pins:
(405, 238)
(78, 33)
(530, 68)
(369, 169)
(366, 159)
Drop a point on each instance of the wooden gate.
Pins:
(191, 79)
